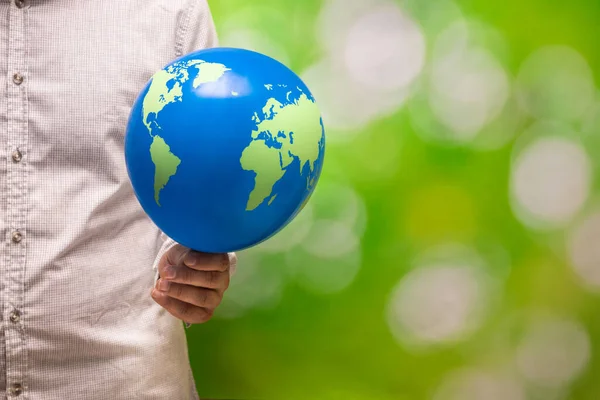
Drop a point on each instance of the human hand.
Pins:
(191, 284)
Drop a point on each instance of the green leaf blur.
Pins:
(450, 251)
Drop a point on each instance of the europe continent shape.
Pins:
(223, 148)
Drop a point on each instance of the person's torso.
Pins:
(77, 318)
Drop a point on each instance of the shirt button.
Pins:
(15, 390)
(20, 3)
(17, 156)
(18, 78)
(15, 316)
(17, 237)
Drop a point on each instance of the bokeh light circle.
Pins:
(328, 257)
(584, 251)
(553, 352)
(556, 82)
(440, 301)
(385, 49)
(468, 85)
(476, 384)
(550, 182)
(347, 106)
(372, 53)
(257, 285)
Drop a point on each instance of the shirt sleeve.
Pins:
(167, 244)
(196, 31)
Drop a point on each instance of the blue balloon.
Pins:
(223, 148)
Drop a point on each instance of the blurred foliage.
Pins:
(300, 324)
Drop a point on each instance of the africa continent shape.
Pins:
(166, 88)
(286, 132)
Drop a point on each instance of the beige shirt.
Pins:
(77, 256)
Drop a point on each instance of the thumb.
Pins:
(173, 256)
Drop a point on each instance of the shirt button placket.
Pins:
(17, 156)
(18, 78)
(15, 316)
(15, 390)
(17, 237)
(15, 192)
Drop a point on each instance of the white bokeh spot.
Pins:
(324, 275)
(372, 54)
(292, 234)
(336, 18)
(550, 182)
(591, 121)
(328, 257)
(330, 239)
(474, 384)
(556, 82)
(340, 202)
(584, 251)
(553, 352)
(439, 302)
(385, 49)
(468, 85)
(347, 106)
(258, 284)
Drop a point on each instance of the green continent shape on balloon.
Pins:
(165, 162)
(297, 127)
(160, 95)
(264, 162)
(208, 72)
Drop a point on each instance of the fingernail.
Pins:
(190, 260)
(169, 273)
(163, 285)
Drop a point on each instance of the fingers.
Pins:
(200, 297)
(180, 255)
(205, 279)
(180, 309)
(191, 283)
(174, 256)
(206, 261)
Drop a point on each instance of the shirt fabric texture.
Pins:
(78, 254)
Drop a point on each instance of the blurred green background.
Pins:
(451, 250)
